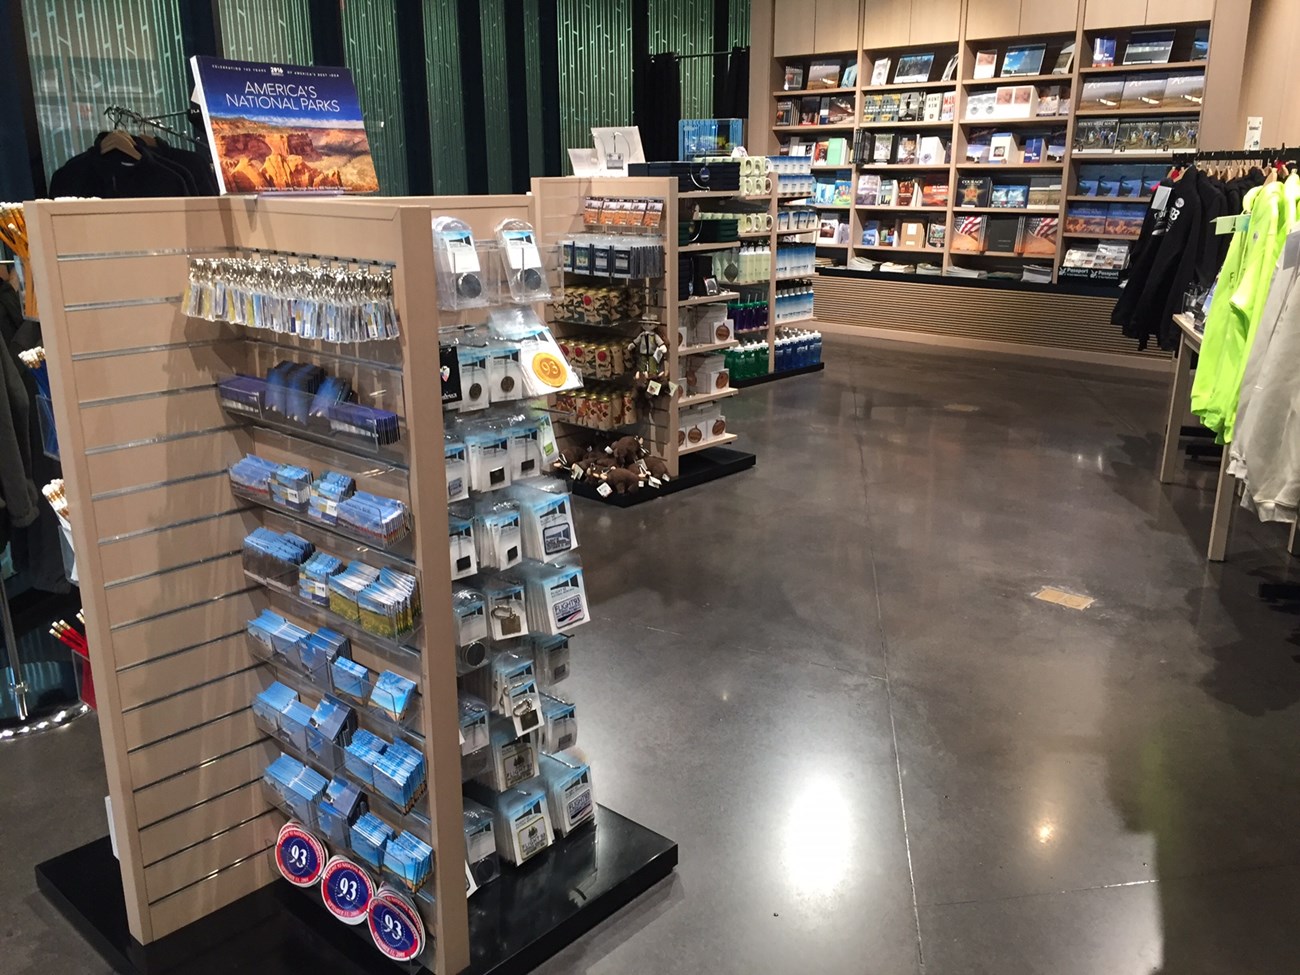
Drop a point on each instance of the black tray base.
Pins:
(772, 377)
(516, 922)
(693, 470)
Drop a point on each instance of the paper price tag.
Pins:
(347, 890)
(299, 856)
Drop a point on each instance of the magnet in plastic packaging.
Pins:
(347, 890)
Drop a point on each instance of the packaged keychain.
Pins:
(460, 279)
(525, 274)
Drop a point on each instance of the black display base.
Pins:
(772, 377)
(693, 470)
(515, 923)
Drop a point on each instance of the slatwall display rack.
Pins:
(559, 208)
(158, 536)
(1081, 30)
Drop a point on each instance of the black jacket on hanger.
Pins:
(115, 175)
(20, 500)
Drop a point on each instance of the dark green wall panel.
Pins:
(496, 96)
(446, 98)
(686, 26)
(370, 48)
(88, 54)
(595, 53)
(254, 30)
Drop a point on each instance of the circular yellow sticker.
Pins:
(549, 369)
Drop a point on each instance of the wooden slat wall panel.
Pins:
(156, 372)
(156, 762)
(156, 638)
(211, 817)
(174, 912)
(176, 546)
(135, 326)
(175, 588)
(170, 675)
(177, 871)
(173, 715)
(124, 278)
(163, 507)
(1057, 321)
(147, 419)
(168, 460)
(157, 802)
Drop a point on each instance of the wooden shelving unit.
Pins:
(897, 28)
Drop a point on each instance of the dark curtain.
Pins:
(732, 99)
(658, 105)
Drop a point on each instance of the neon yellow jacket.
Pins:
(1239, 297)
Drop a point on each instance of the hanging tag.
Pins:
(604, 490)
(1160, 199)
(653, 388)
(470, 884)
(672, 389)
(1225, 225)
(656, 483)
(578, 472)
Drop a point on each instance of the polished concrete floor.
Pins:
(828, 680)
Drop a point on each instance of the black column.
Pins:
(548, 27)
(721, 26)
(517, 94)
(327, 33)
(641, 99)
(470, 27)
(22, 170)
(415, 98)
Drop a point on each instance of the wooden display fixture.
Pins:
(560, 213)
(158, 535)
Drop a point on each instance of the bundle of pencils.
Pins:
(70, 636)
(34, 359)
(13, 234)
(54, 495)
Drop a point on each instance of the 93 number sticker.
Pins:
(396, 927)
(347, 891)
(299, 855)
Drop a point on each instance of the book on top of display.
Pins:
(283, 128)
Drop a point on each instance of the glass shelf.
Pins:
(403, 652)
(336, 539)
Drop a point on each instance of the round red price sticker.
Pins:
(396, 926)
(347, 890)
(299, 855)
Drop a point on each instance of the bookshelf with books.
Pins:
(993, 112)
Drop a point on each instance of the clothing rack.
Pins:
(1236, 155)
(119, 116)
(705, 54)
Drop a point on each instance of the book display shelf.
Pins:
(1012, 142)
(172, 583)
(685, 414)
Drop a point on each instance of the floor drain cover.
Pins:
(1072, 600)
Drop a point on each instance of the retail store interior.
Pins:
(862, 429)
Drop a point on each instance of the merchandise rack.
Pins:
(964, 29)
(158, 534)
(559, 212)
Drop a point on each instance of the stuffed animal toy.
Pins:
(568, 457)
(656, 467)
(621, 480)
(626, 451)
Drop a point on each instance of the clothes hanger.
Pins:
(121, 141)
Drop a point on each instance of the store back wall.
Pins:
(1271, 72)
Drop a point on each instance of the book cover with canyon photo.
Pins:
(281, 127)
